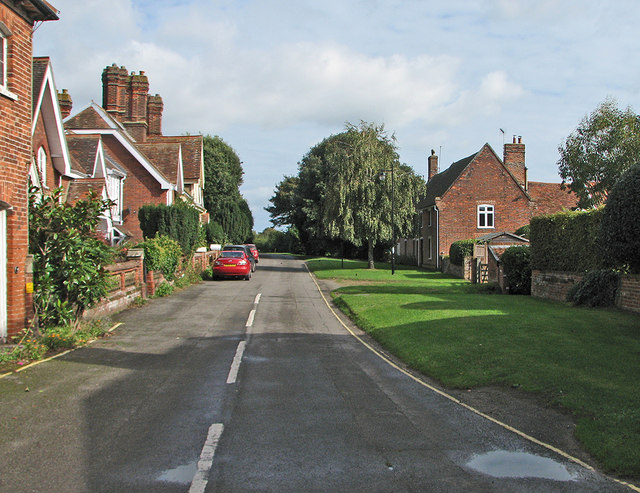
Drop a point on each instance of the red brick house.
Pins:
(482, 194)
(142, 165)
(17, 19)
(144, 183)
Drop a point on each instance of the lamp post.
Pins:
(393, 209)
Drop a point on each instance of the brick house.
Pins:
(482, 194)
(144, 183)
(17, 19)
(51, 165)
(143, 166)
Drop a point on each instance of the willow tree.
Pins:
(358, 198)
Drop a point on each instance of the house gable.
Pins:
(47, 129)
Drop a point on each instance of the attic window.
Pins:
(485, 216)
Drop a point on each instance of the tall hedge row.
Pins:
(461, 249)
(567, 241)
(179, 221)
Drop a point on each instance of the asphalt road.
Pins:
(253, 386)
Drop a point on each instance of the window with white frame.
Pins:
(486, 217)
(42, 166)
(430, 248)
(5, 34)
(3, 59)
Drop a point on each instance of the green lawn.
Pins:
(586, 360)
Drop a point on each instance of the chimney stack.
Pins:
(65, 103)
(514, 161)
(154, 114)
(432, 165)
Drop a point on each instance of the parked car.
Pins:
(232, 263)
(243, 248)
(254, 251)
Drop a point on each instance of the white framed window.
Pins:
(486, 216)
(430, 248)
(5, 34)
(430, 217)
(42, 166)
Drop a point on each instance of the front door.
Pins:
(3, 274)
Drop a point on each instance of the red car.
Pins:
(232, 263)
(254, 251)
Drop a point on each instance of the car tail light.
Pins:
(242, 262)
(217, 263)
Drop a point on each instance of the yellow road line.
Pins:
(457, 401)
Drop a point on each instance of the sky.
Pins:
(273, 78)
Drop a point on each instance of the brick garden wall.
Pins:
(629, 293)
(554, 285)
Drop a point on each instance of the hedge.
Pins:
(516, 261)
(567, 241)
(620, 233)
(179, 221)
(461, 249)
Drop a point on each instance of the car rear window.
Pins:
(232, 254)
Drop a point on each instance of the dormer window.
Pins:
(5, 34)
(485, 216)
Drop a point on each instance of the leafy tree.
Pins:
(605, 144)
(222, 199)
(620, 227)
(68, 259)
(358, 204)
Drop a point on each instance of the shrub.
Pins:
(162, 253)
(214, 233)
(179, 221)
(620, 230)
(566, 241)
(524, 231)
(597, 288)
(516, 262)
(165, 289)
(461, 249)
(68, 260)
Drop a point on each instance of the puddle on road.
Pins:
(181, 474)
(504, 464)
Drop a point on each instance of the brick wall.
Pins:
(555, 285)
(629, 293)
(15, 159)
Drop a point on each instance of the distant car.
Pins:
(254, 251)
(243, 248)
(232, 263)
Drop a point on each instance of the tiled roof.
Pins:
(79, 189)
(83, 150)
(192, 153)
(87, 119)
(40, 65)
(440, 183)
(165, 157)
(550, 198)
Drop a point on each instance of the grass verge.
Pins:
(585, 360)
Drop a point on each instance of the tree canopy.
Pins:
(605, 145)
(340, 195)
(222, 198)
